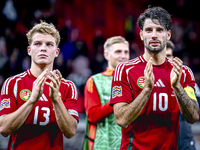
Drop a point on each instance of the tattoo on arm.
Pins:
(187, 106)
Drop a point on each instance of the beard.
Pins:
(155, 49)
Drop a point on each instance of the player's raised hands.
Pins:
(148, 74)
(38, 85)
(54, 84)
(176, 72)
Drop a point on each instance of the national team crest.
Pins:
(140, 82)
(25, 94)
(116, 91)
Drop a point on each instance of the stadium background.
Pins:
(84, 26)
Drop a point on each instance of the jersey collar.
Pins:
(161, 65)
(108, 72)
(31, 75)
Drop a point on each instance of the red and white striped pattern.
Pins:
(6, 84)
(73, 87)
(190, 71)
(118, 71)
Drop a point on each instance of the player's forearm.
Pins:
(188, 107)
(97, 113)
(66, 122)
(127, 113)
(13, 121)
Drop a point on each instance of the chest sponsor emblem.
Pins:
(25, 94)
(140, 82)
(159, 83)
(116, 91)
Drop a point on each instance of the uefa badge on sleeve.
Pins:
(5, 103)
(116, 91)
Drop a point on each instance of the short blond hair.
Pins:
(114, 40)
(44, 28)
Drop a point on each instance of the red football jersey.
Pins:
(40, 130)
(157, 126)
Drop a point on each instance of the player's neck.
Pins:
(158, 58)
(37, 70)
(111, 67)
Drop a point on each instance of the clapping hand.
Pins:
(176, 72)
(38, 85)
(54, 84)
(148, 74)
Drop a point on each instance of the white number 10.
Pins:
(161, 106)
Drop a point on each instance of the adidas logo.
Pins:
(43, 98)
(159, 83)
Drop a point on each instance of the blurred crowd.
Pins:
(84, 25)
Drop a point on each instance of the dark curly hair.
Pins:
(155, 13)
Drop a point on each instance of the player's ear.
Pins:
(29, 50)
(141, 35)
(169, 35)
(106, 55)
(57, 52)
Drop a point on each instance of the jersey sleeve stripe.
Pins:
(76, 92)
(127, 76)
(74, 95)
(15, 90)
(191, 74)
(4, 86)
(71, 85)
(114, 75)
(118, 72)
(134, 62)
(7, 82)
(184, 75)
(73, 92)
(15, 86)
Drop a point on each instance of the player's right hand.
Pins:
(38, 85)
(148, 74)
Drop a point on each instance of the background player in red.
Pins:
(148, 92)
(39, 106)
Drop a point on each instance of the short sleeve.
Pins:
(70, 99)
(121, 89)
(8, 97)
(188, 78)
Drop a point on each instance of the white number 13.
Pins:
(46, 116)
(161, 106)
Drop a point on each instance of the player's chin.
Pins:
(122, 61)
(43, 63)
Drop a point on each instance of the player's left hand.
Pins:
(176, 72)
(54, 84)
